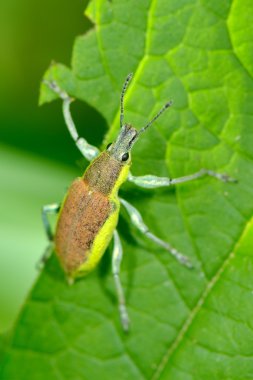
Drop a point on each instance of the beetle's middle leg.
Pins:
(87, 150)
(116, 261)
(48, 209)
(138, 222)
(152, 181)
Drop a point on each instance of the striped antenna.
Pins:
(128, 78)
(167, 105)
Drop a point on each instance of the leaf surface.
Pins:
(185, 324)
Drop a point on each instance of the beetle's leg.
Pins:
(116, 261)
(47, 253)
(87, 150)
(48, 209)
(138, 222)
(152, 182)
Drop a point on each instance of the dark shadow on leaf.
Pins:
(104, 270)
(105, 264)
(89, 122)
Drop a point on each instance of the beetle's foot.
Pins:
(54, 87)
(124, 318)
(227, 178)
(220, 176)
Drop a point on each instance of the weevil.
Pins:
(88, 215)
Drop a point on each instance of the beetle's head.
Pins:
(120, 149)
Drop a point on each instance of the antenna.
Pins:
(128, 78)
(167, 105)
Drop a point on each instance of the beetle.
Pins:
(88, 215)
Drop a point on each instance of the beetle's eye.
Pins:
(125, 156)
(108, 146)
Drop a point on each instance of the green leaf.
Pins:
(186, 325)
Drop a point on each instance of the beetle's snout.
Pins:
(128, 134)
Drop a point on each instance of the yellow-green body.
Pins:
(89, 215)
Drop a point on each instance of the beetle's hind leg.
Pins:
(87, 150)
(116, 261)
(138, 222)
(48, 209)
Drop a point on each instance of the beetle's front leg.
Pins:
(152, 181)
(116, 261)
(87, 150)
(138, 222)
(48, 209)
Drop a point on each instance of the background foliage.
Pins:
(185, 324)
(33, 139)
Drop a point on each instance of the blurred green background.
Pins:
(37, 157)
